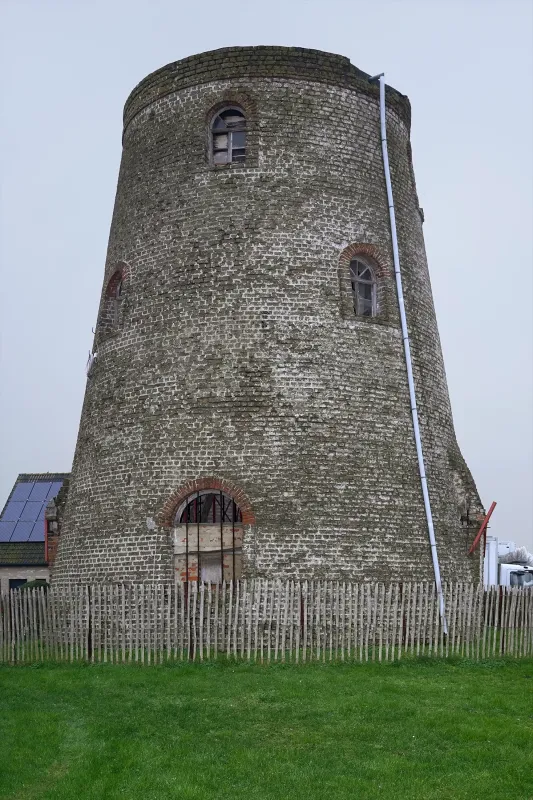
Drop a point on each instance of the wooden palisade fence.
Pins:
(263, 620)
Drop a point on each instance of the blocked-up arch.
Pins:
(111, 309)
(207, 522)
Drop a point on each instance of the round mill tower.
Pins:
(247, 410)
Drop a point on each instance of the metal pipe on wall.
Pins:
(407, 351)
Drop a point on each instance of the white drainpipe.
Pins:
(407, 350)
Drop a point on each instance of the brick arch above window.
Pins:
(382, 268)
(228, 98)
(168, 512)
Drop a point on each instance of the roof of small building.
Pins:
(22, 554)
(22, 518)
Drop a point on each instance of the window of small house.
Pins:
(208, 533)
(363, 288)
(228, 134)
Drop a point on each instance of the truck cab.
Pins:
(498, 573)
(516, 575)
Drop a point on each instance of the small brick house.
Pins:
(25, 545)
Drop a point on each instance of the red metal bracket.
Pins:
(483, 528)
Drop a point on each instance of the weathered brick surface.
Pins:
(237, 358)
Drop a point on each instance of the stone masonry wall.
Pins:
(237, 361)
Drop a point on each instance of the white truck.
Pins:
(507, 565)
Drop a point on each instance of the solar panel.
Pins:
(22, 491)
(22, 531)
(13, 510)
(40, 490)
(31, 511)
(6, 529)
(23, 517)
(37, 534)
(54, 488)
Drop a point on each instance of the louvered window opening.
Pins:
(229, 137)
(208, 538)
(363, 288)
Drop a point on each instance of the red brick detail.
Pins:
(53, 541)
(120, 274)
(168, 512)
(114, 281)
(376, 256)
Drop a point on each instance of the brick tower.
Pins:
(247, 409)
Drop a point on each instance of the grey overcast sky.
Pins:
(67, 67)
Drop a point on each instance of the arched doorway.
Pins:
(208, 533)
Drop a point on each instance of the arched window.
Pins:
(208, 532)
(363, 288)
(228, 134)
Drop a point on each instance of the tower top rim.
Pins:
(261, 61)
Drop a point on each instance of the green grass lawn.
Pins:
(424, 729)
